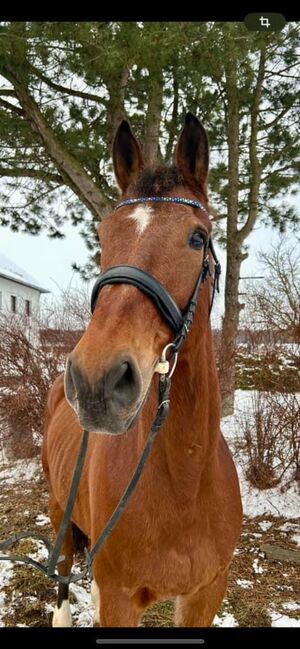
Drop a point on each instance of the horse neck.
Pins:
(189, 440)
(195, 406)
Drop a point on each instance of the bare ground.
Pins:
(256, 586)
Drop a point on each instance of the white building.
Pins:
(19, 292)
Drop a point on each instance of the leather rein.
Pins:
(181, 324)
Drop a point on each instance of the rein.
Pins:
(181, 325)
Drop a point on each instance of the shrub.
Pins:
(27, 371)
(270, 444)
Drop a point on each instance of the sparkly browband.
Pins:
(162, 199)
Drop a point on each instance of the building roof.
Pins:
(10, 270)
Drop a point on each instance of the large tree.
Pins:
(65, 87)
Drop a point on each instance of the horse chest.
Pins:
(168, 561)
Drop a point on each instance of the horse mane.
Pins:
(156, 181)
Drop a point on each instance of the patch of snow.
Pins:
(291, 606)
(257, 568)
(6, 573)
(41, 553)
(269, 501)
(283, 620)
(244, 583)
(242, 402)
(290, 527)
(84, 609)
(265, 525)
(42, 520)
(226, 620)
(20, 471)
(37, 438)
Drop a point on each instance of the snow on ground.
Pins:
(225, 620)
(256, 502)
(6, 572)
(244, 583)
(283, 620)
(291, 606)
(42, 520)
(257, 568)
(21, 470)
(265, 525)
(296, 538)
(83, 611)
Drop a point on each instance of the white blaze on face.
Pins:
(142, 215)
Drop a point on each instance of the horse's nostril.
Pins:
(122, 384)
(75, 381)
(125, 384)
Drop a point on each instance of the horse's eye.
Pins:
(197, 240)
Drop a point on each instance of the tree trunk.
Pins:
(173, 123)
(115, 107)
(231, 317)
(230, 329)
(235, 236)
(153, 117)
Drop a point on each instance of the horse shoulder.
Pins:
(55, 395)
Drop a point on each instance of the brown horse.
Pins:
(177, 536)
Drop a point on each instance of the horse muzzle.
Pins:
(109, 404)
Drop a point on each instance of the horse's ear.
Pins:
(127, 156)
(192, 152)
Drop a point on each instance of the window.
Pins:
(13, 304)
(28, 308)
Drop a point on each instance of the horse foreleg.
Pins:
(62, 613)
(113, 607)
(200, 608)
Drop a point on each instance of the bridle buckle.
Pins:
(163, 365)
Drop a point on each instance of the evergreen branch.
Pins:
(68, 91)
(32, 173)
(71, 170)
(32, 201)
(276, 120)
(280, 72)
(5, 92)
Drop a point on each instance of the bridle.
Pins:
(181, 324)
